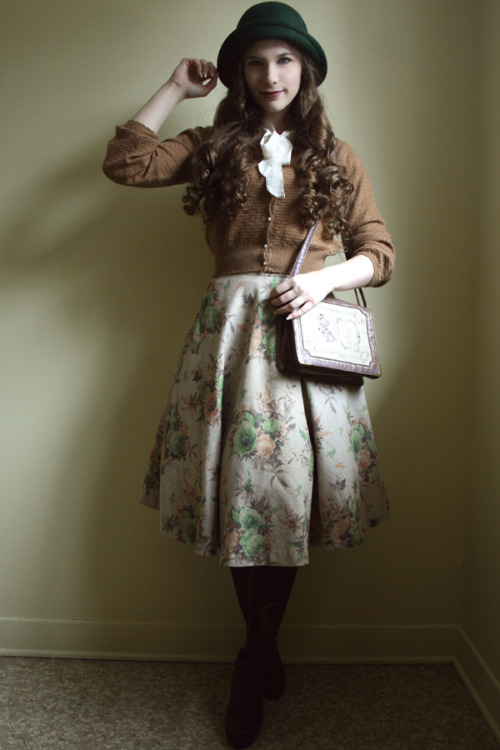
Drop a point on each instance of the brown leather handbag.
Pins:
(335, 340)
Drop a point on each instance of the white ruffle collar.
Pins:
(277, 151)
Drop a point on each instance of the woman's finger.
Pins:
(279, 289)
(211, 83)
(284, 298)
(295, 304)
(300, 311)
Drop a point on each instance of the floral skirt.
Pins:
(248, 463)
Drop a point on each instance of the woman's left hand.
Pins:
(298, 294)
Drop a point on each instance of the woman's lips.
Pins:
(271, 94)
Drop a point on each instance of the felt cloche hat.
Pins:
(270, 20)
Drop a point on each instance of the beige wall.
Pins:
(481, 599)
(100, 284)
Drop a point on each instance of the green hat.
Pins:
(269, 21)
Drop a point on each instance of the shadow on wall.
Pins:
(110, 279)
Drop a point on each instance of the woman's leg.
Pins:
(269, 590)
(241, 581)
(263, 594)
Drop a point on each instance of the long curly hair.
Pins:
(220, 166)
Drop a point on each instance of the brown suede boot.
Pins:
(273, 677)
(244, 712)
(263, 594)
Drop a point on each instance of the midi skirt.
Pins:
(248, 463)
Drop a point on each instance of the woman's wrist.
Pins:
(154, 113)
(350, 274)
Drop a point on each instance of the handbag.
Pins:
(335, 340)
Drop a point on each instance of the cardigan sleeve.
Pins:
(137, 157)
(368, 234)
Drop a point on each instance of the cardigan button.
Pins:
(265, 247)
(269, 218)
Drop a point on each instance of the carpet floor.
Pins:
(72, 704)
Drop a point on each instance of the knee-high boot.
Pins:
(263, 594)
(268, 595)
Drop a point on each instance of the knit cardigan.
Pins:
(266, 234)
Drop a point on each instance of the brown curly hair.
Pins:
(221, 164)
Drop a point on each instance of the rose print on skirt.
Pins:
(253, 465)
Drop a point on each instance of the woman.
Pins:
(249, 463)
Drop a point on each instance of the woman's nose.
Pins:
(271, 76)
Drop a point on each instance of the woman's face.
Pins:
(272, 69)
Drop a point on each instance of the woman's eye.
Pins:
(285, 59)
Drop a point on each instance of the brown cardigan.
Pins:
(267, 233)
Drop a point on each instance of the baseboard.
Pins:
(480, 681)
(219, 643)
(171, 642)
(82, 639)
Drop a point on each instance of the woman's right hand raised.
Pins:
(194, 77)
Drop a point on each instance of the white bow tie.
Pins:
(277, 150)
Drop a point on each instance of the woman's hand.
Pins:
(194, 77)
(298, 294)
(191, 78)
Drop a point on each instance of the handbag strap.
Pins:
(303, 251)
(302, 256)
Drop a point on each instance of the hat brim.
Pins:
(242, 38)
